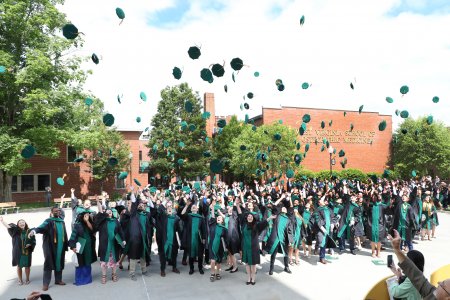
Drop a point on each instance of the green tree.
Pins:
(178, 136)
(223, 141)
(106, 152)
(41, 95)
(279, 153)
(421, 147)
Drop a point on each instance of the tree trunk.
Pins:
(5, 187)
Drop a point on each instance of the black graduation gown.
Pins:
(134, 233)
(212, 232)
(233, 238)
(15, 233)
(187, 234)
(320, 220)
(101, 225)
(359, 224)
(273, 238)
(382, 211)
(48, 231)
(161, 229)
(80, 230)
(255, 232)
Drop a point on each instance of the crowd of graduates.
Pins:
(227, 225)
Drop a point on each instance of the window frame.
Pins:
(35, 183)
(67, 154)
(117, 180)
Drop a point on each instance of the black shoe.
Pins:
(352, 252)
(229, 269)
(201, 271)
(287, 270)
(234, 271)
(248, 283)
(253, 283)
(271, 271)
(191, 271)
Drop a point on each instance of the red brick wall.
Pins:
(209, 105)
(77, 177)
(359, 152)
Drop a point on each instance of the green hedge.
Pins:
(350, 174)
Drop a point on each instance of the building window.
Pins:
(120, 183)
(30, 183)
(71, 154)
(140, 155)
(14, 184)
(43, 181)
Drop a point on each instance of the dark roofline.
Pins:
(296, 107)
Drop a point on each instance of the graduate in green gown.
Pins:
(23, 247)
(55, 245)
(83, 234)
(217, 244)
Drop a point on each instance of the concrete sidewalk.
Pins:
(346, 277)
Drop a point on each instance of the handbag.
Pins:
(75, 259)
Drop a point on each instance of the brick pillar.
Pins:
(209, 106)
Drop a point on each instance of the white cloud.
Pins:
(340, 41)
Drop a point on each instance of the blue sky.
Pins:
(422, 7)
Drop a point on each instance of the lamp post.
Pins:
(331, 150)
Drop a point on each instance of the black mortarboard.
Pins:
(435, 99)
(430, 120)
(120, 14)
(306, 147)
(194, 52)
(137, 182)
(322, 124)
(290, 173)
(176, 72)
(138, 119)
(108, 120)
(306, 118)
(256, 74)
(207, 154)
(95, 59)
(221, 123)
(207, 75)
(218, 70)
(70, 31)
(188, 106)
(250, 95)
(236, 64)
(225, 87)
(123, 175)
(302, 128)
(360, 108)
(382, 125)
(302, 20)
(404, 114)
(243, 147)
(112, 161)
(28, 151)
(404, 89)
(352, 86)
(341, 153)
(277, 136)
(216, 166)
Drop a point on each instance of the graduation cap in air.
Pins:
(225, 88)
(246, 105)
(290, 173)
(351, 126)
(306, 118)
(123, 175)
(188, 106)
(430, 120)
(382, 125)
(352, 86)
(413, 173)
(177, 73)
(330, 123)
(108, 120)
(250, 95)
(95, 59)
(322, 148)
(70, 31)
(302, 128)
(297, 159)
(119, 99)
(305, 85)
(88, 101)
(389, 100)
(183, 125)
(341, 153)
(216, 166)
(221, 123)
(181, 144)
(281, 87)
(143, 96)
(256, 74)
(306, 147)
(279, 84)
(236, 63)
(206, 115)
(345, 113)
(322, 124)
(416, 132)
(112, 161)
(138, 119)
(435, 99)
(277, 136)
(404, 131)
(206, 154)
(206, 75)
(165, 144)
(298, 146)
(192, 127)
(78, 159)
(243, 147)
(302, 20)
(404, 114)
(194, 52)
(28, 152)
(218, 70)
(120, 14)
(360, 108)
(60, 180)
(404, 89)
(233, 77)
(137, 182)
(2, 69)
(180, 161)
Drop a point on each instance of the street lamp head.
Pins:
(330, 149)
(130, 156)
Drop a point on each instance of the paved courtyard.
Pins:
(346, 277)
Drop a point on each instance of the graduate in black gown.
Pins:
(139, 233)
(376, 223)
(404, 221)
(55, 245)
(347, 222)
(194, 235)
(251, 228)
(217, 244)
(83, 233)
(22, 247)
(324, 223)
(168, 232)
(111, 240)
(233, 235)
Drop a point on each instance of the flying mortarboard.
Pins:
(404, 89)
(430, 120)
(277, 136)
(352, 86)
(243, 147)
(206, 154)
(306, 147)
(389, 100)
(194, 52)
(250, 95)
(108, 120)
(206, 115)
(123, 175)
(181, 144)
(206, 75)
(404, 114)
(138, 119)
(341, 153)
(143, 96)
(28, 151)
(218, 70)
(192, 127)
(2, 69)
(413, 173)
(256, 74)
(188, 106)
(95, 59)
(305, 85)
(112, 161)
(351, 126)
(216, 166)
(306, 118)
(70, 31)
(322, 124)
(302, 128)
(281, 87)
(166, 144)
(60, 181)
(382, 125)
(435, 99)
(221, 123)
(78, 159)
(177, 73)
(137, 182)
(404, 131)
(88, 101)
(298, 146)
(360, 108)
(246, 106)
(302, 20)
(322, 148)
(180, 161)
(330, 123)
(290, 173)
(120, 14)
(236, 64)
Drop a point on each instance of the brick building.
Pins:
(30, 186)
(366, 148)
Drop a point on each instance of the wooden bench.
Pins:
(65, 202)
(4, 206)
